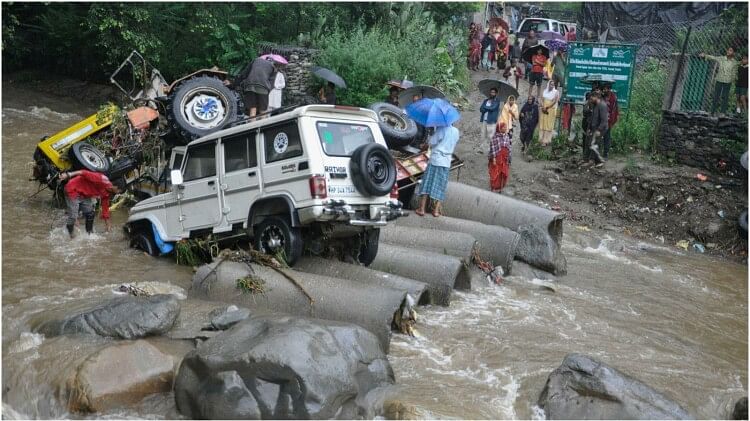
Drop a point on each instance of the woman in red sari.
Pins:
(499, 158)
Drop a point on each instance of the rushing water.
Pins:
(676, 320)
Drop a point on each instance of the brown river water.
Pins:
(675, 320)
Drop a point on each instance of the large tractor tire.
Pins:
(398, 129)
(200, 106)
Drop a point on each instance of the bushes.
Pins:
(638, 130)
(367, 58)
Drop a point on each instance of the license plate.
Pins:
(336, 190)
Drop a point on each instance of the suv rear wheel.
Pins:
(275, 234)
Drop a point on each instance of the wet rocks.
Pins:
(583, 388)
(284, 367)
(230, 317)
(119, 375)
(537, 248)
(122, 317)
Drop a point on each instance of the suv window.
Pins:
(535, 25)
(239, 152)
(341, 139)
(201, 161)
(177, 164)
(282, 141)
(555, 27)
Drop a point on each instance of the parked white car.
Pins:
(314, 173)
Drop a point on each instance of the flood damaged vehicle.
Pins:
(292, 181)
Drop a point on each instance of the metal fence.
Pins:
(678, 60)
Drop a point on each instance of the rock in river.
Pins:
(122, 317)
(118, 375)
(284, 367)
(583, 388)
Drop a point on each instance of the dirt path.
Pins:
(631, 195)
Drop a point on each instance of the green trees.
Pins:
(367, 42)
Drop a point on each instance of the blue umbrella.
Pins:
(433, 112)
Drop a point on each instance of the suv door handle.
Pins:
(212, 182)
(251, 174)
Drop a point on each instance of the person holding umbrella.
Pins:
(256, 81)
(489, 112)
(440, 114)
(327, 94)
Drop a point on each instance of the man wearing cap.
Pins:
(81, 190)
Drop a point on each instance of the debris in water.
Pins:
(683, 244)
(486, 267)
(701, 177)
(721, 213)
(583, 228)
(251, 284)
(699, 248)
(133, 290)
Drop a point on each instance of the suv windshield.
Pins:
(341, 139)
(535, 25)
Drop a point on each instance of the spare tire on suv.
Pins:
(398, 129)
(373, 170)
(200, 106)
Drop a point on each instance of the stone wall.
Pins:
(300, 83)
(701, 140)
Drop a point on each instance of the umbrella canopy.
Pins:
(556, 45)
(424, 91)
(403, 84)
(597, 79)
(550, 35)
(504, 90)
(275, 57)
(433, 112)
(328, 75)
(531, 51)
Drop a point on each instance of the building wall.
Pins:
(300, 83)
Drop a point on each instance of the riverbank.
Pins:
(633, 195)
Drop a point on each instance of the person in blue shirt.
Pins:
(489, 111)
(435, 180)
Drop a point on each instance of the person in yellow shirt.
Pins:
(507, 116)
(725, 75)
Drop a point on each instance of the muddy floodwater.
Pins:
(675, 320)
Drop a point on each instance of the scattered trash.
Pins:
(660, 198)
(555, 208)
(614, 189)
(721, 213)
(711, 245)
(661, 239)
(583, 228)
(690, 199)
(718, 186)
(492, 273)
(555, 196)
(701, 177)
(683, 244)
(699, 248)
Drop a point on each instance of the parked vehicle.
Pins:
(540, 25)
(293, 180)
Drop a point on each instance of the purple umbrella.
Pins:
(556, 45)
(550, 35)
(275, 57)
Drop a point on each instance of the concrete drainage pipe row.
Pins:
(496, 244)
(371, 306)
(540, 229)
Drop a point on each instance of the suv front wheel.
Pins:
(275, 234)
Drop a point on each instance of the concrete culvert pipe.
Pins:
(496, 244)
(438, 271)
(447, 243)
(370, 306)
(319, 266)
(540, 229)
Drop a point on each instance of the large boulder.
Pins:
(740, 409)
(583, 388)
(284, 367)
(117, 375)
(121, 317)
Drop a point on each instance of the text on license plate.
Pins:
(332, 190)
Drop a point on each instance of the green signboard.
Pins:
(611, 61)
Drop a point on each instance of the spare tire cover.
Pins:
(373, 170)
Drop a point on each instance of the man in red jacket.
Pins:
(85, 186)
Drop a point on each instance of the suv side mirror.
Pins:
(176, 177)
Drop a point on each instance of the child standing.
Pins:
(499, 158)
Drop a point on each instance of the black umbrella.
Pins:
(328, 75)
(504, 90)
(424, 91)
(531, 51)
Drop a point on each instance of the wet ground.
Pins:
(676, 320)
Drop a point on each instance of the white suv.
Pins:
(295, 179)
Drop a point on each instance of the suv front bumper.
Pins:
(355, 215)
